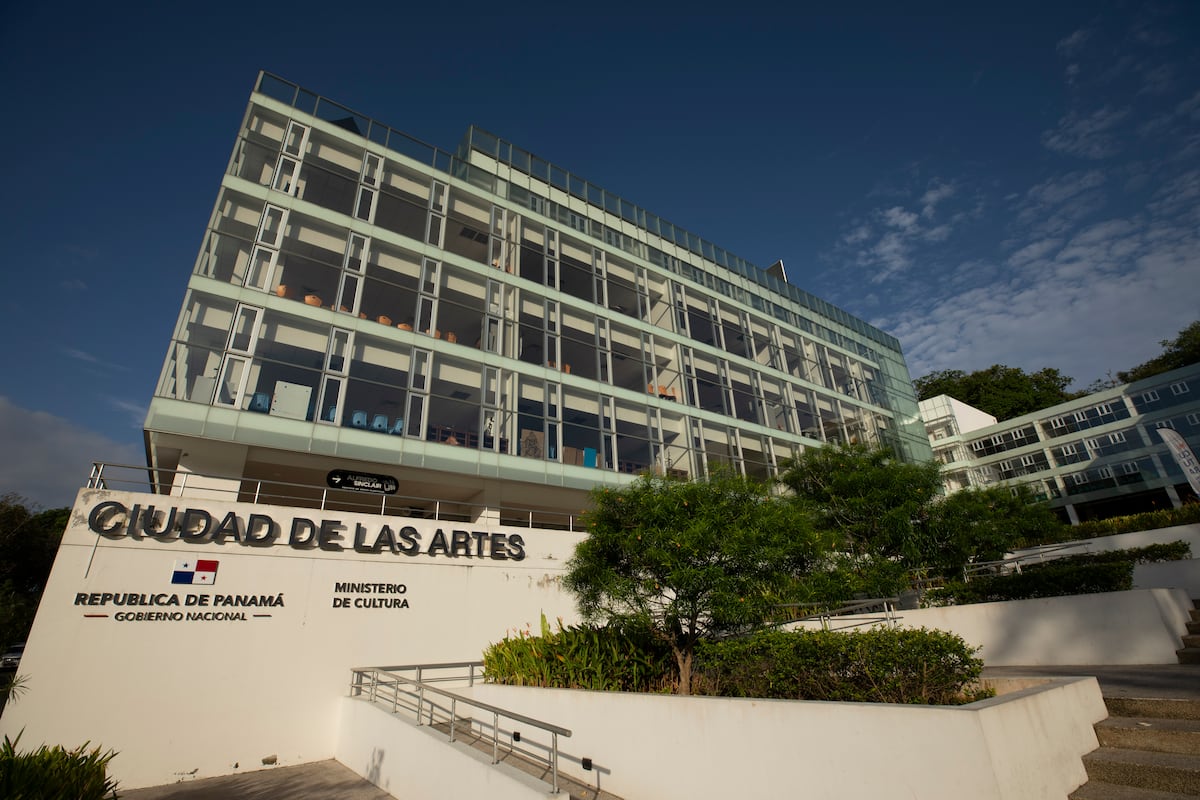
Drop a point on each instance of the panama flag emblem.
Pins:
(198, 571)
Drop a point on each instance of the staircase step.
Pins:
(1099, 790)
(1159, 707)
(1144, 733)
(1191, 640)
(1194, 612)
(1165, 772)
(1188, 655)
(1193, 627)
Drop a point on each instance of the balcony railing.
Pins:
(234, 489)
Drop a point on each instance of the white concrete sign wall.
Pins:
(204, 653)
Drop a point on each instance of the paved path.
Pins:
(319, 780)
(1178, 681)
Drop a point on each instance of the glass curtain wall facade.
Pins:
(363, 295)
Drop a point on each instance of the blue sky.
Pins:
(1017, 183)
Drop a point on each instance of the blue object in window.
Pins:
(331, 414)
(379, 423)
(358, 419)
(398, 428)
(589, 456)
(261, 402)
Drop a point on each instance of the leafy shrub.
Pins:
(882, 665)
(1085, 573)
(54, 773)
(1188, 514)
(582, 657)
(1048, 580)
(1170, 551)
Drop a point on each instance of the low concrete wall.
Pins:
(1141, 626)
(1022, 746)
(1183, 575)
(417, 763)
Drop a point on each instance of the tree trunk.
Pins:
(683, 660)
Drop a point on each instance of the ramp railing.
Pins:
(411, 688)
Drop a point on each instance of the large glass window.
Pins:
(390, 294)
(455, 408)
(581, 428)
(628, 365)
(375, 393)
(634, 454)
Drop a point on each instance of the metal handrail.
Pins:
(110, 476)
(367, 679)
(1014, 562)
(856, 608)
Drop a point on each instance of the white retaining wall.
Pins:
(1141, 626)
(417, 763)
(1183, 575)
(1023, 746)
(182, 699)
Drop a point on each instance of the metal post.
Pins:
(471, 676)
(257, 490)
(554, 758)
(421, 704)
(495, 738)
(453, 715)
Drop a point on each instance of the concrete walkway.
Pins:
(319, 780)
(1177, 681)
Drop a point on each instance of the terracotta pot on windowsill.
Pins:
(312, 300)
(283, 290)
(383, 319)
(451, 337)
(404, 326)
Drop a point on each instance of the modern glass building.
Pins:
(488, 330)
(1093, 457)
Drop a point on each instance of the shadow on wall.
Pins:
(375, 768)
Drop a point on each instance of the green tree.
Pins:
(1004, 392)
(1181, 351)
(888, 516)
(688, 559)
(869, 499)
(982, 524)
(28, 543)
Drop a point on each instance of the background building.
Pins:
(486, 328)
(1093, 457)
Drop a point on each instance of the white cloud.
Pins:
(1072, 44)
(897, 217)
(1102, 303)
(935, 194)
(48, 459)
(1086, 136)
(88, 358)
